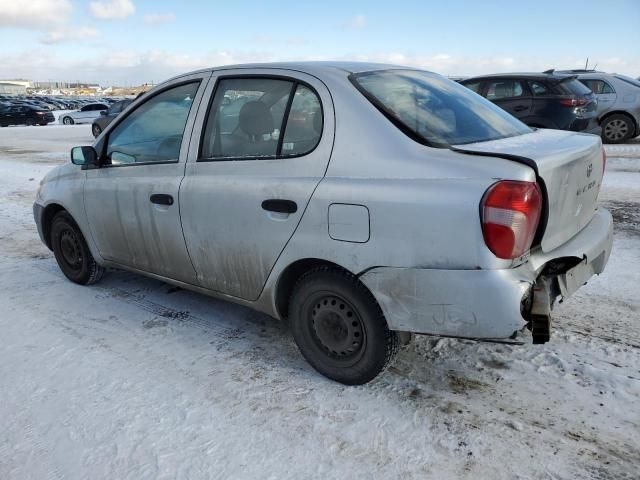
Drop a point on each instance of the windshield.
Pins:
(436, 111)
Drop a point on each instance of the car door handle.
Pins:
(519, 108)
(280, 206)
(161, 199)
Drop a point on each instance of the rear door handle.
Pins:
(280, 206)
(161, 199)
(519, 108)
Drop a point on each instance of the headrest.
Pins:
(255, 118)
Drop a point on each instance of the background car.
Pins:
(86, 114)
(543, 100)
(24, 115)
(106, 116)
(618, 103)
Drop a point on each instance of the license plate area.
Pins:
(575, 278)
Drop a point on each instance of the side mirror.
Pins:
(103, 112)
(85, 156)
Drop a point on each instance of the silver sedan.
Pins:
(360, 203)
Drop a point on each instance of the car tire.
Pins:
(617, 128)
(96, 130)
(72, 252)
(68, 121)
(30, 122)
(339, 327)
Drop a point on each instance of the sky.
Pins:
(128, 42)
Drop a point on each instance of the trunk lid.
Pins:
(571, 167)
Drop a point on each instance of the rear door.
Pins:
(251, 172)
(132, 200)
(605, 93)
(511, 95)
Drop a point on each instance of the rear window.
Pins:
(435, 111)
(574, 87)
(629, 80)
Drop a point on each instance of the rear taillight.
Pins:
(573, 102)
(510, 216)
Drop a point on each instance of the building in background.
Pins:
(14, 87)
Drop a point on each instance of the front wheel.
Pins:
(339, 327)
(71, 251)
(67, 121)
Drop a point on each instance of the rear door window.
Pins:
(539, 88)
(261, 118)
(506, 88)
(598, 87)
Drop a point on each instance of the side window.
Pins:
(539, 88)
(247, 119)
(473, 86)
(153, 131)
(504, 89)
(598, 87)
(304, 124)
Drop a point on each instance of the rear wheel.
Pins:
(30, 122)
(67, 121)
(339, 327)
(617, 128)
(96, 130)
(71, 251)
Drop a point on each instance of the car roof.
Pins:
(309, 67)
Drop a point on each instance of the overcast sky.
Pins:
(135, 41)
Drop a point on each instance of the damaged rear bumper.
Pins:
(488, 303)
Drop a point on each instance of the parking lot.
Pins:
(133, 378)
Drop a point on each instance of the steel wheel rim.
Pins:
(337, 328)
(71, 249)
(616, 129)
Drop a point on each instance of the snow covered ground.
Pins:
(135, 379)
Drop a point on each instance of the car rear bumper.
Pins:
(483, 303)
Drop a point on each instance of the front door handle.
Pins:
(280, 206)
(161, 199)
(519, 108)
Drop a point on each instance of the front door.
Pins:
(132, 200)
(264, 146)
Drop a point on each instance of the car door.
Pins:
(132, 200)
(249, 178)
(605, 93)
(511, 95)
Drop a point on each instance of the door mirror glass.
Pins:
(84, 156)
(103, 112)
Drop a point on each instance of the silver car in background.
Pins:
(360, 203)
(85, 114)
(618, 103)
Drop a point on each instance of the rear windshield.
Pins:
(629, 80)
(436, 111)
(574, 87)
